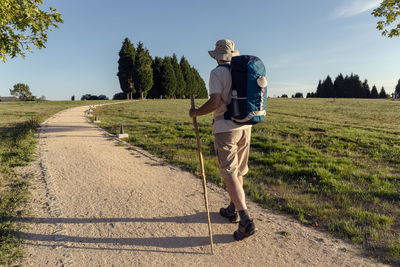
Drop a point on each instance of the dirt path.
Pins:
(95, 203)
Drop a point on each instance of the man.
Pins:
(231, 140)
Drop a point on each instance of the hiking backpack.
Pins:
(249, 90)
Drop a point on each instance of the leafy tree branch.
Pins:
(389, 10)
(24, 25)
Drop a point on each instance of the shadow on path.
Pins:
(160, 242)
(200, 217)
(168, 242)
(117, 249)
(66, 128)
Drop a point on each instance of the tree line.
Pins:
(91, 97)
(347, 87)
(142, 76)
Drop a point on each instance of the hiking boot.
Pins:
(245, 230)
(231, 216)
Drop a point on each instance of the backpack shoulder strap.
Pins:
(226, 115)
(226, 65)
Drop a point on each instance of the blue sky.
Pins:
(300, 42)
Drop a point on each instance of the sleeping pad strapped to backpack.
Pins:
(249, 90)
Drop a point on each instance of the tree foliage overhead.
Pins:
(389, 10)
(126, 65)
(24, 25)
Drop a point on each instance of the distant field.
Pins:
(18, 124)
(332, 163)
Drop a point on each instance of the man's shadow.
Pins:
(167, 242)
(199, 217)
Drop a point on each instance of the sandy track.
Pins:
(98, 204)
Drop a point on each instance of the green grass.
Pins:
(331, 163)
(18, 124)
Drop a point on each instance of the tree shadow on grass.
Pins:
(18, 130)
(66, 128)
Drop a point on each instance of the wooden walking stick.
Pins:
(203, 175)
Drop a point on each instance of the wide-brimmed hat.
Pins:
(224, 50)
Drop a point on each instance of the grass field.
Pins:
(18, 124)
(331, 163)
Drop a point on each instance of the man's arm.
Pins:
(211, 105)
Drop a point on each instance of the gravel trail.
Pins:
(96, 203)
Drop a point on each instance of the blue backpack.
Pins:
(249, 90)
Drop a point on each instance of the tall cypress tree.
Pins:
(188, 76)
(196, 87)
(339, 86)
(326, 88)
(180, 81)
(157, 90)
(319, 90)
(374, 92)
(382, 93)
(126, 68)
(200, 87)
(143, 72)
(358, 89)
(168, 79)
(347, 87)
(366, 90)
(397, 90)
(329, 90)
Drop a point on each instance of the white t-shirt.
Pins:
(221, 83)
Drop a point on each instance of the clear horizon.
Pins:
(300, 43)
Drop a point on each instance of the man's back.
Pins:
(221, 83)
